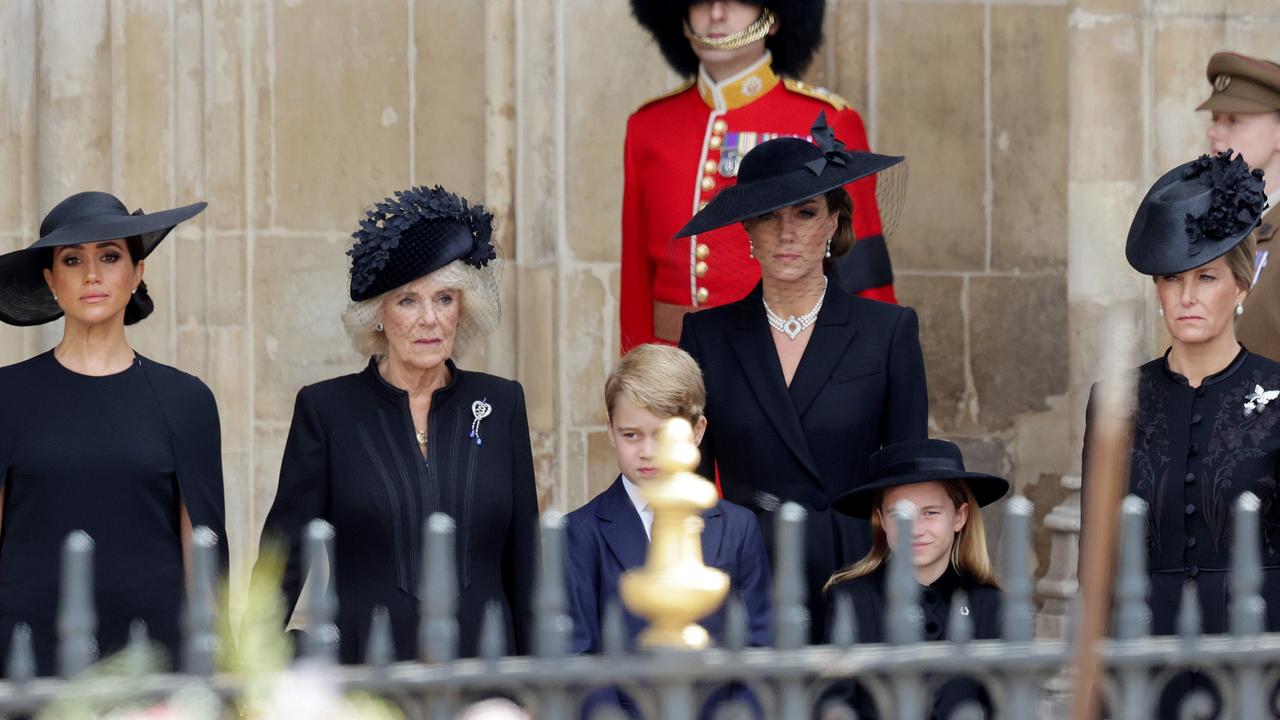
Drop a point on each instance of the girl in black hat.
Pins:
(376, 452)
(804, 381)
(97, 438)
(949, 551)
(1206, 424)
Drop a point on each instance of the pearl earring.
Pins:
(828, 247)
(1239, 309)
(751, 249)
(379, 327)
(55, 296)
(135, 291)
(1161, 311)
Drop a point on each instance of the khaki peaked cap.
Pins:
(1242, 84)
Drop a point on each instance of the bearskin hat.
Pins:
(799, 32)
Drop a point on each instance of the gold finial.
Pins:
(674, 588)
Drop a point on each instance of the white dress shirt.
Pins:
(642, 506)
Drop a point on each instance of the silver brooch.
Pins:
(1256, 401)
(479, 411)
(964, 609)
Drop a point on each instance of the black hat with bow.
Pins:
(86, 217)
(415, 233)
(799, 32)
(784, 171)
(1194, 214)
(917, 461)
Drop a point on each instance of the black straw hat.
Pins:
(784, 171)
(86, 217)
(415, 233)
(917, 461)
(1194, 214)
(798, 36)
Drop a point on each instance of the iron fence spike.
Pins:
(1018, 623)
(493, 633)
(381, 649)
(20, 666)
(438, 591)
(790, 613)
(200, 639)
(552, 625)
(77, 617)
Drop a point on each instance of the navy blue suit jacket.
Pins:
(606, 538)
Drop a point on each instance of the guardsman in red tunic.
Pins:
(684, 147)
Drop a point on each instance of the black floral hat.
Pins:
(1195, 214)
(417, 232)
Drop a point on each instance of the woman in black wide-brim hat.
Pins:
(949, 553)
(1206, 423)
(95, 437)
(376, 452)
(804, 381)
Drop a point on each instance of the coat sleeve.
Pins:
(906, 410)
(200, 470)
(520, 550)
(636, 296)
(866, 269)
(302, 495)
(707, 450)
(754, 584)
(582, 575)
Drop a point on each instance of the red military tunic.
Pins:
(683, 148)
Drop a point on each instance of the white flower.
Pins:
(1257, 400)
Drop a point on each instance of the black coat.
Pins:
(859, 386)
(1194, 453)
(352, 458)
(117, 457)
(867, 594)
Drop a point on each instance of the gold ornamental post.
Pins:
(674, 589)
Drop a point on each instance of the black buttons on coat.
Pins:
(1191, 477)
(1191, 509)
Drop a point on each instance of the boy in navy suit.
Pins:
(610, 534)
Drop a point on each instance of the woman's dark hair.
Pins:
(140, 303)
(839, 202)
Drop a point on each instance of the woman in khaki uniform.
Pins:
(1246, 118)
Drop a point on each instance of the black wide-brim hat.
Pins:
(784, 171)
(917, 461)
(86, 217)
(798, 36)
(1194, 214)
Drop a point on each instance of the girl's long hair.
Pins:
(969, 554)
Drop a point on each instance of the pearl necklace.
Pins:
(793, 326)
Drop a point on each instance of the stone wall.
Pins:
(1032, 128)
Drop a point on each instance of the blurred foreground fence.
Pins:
(1025, 677)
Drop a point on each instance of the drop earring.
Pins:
(828, 247)
(55, 296)
(751, 249)
(1239, 309)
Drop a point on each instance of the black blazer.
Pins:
(867, 595)
(352, 458)
(605, 538)
(859, 386)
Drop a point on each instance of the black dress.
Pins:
(1194, 452)
(113, 456)
(867, 594)
(352, 458)
(859, 386)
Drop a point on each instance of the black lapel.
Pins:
(621, 526)
(828, 343)
(712, 534)
(753, 345)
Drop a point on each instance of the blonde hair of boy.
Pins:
(661, 379)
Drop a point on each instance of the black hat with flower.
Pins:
(1194, 214)
(415, 233)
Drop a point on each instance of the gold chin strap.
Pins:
(753, 32)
